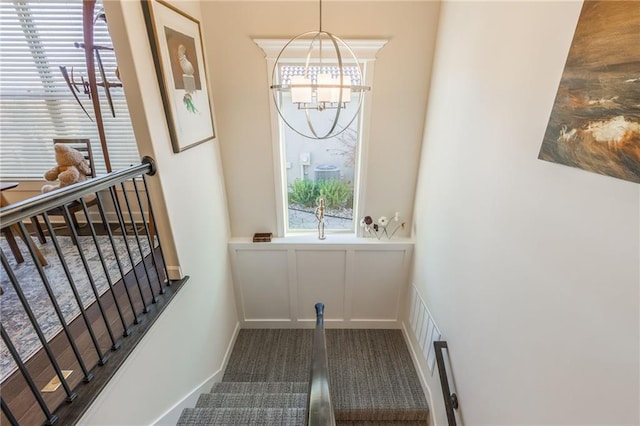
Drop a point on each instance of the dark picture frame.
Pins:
(178, 56)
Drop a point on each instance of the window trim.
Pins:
(365, 51)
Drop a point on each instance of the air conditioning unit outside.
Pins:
(327, 172)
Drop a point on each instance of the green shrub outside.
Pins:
(303, 192)
(336, 193)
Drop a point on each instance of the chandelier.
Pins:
(320, 99)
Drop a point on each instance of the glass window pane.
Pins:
(315, 169)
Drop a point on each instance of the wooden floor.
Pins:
(15, 392)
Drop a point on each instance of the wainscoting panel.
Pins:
(360, 281)
(264, 285)
(321, 277)
(376, 289)
(424, 327)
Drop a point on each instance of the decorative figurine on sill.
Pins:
(320, 217)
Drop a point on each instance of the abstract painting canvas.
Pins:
(595, 120)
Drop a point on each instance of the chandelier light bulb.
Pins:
(323, 93)
(300, 89)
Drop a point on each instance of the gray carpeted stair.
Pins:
(260, 387)
(243, 416)
(372, 378)
(263, 400)
(255, 403)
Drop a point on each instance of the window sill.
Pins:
(341, 241)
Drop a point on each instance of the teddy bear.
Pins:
(72, 167)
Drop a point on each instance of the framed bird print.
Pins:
(178, 55)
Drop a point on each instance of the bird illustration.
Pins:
(188, 103)
(187, 67)
(188, 79)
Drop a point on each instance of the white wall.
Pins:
(240, 89)
(531, 269)
(188, 343)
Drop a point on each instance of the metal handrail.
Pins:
(123, 287)
(320, 412)
(19, 211)
(450, 399)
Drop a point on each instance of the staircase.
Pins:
(371, 375)
(237, 403)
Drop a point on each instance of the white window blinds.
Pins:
(36, 37)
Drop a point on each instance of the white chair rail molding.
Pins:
(361, 281)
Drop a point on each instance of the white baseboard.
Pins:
(421, 376)
(328, 323)
(420, 331)
(189, 401)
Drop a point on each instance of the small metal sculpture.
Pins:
(73, 87)
(320, 217)
(107, 85)
(90, 85)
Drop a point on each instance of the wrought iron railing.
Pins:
(72, 303)
(320, 409)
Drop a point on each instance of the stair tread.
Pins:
(371, 373)
(235, 416)
(260, 387)
(382, 415)
(258, 400)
